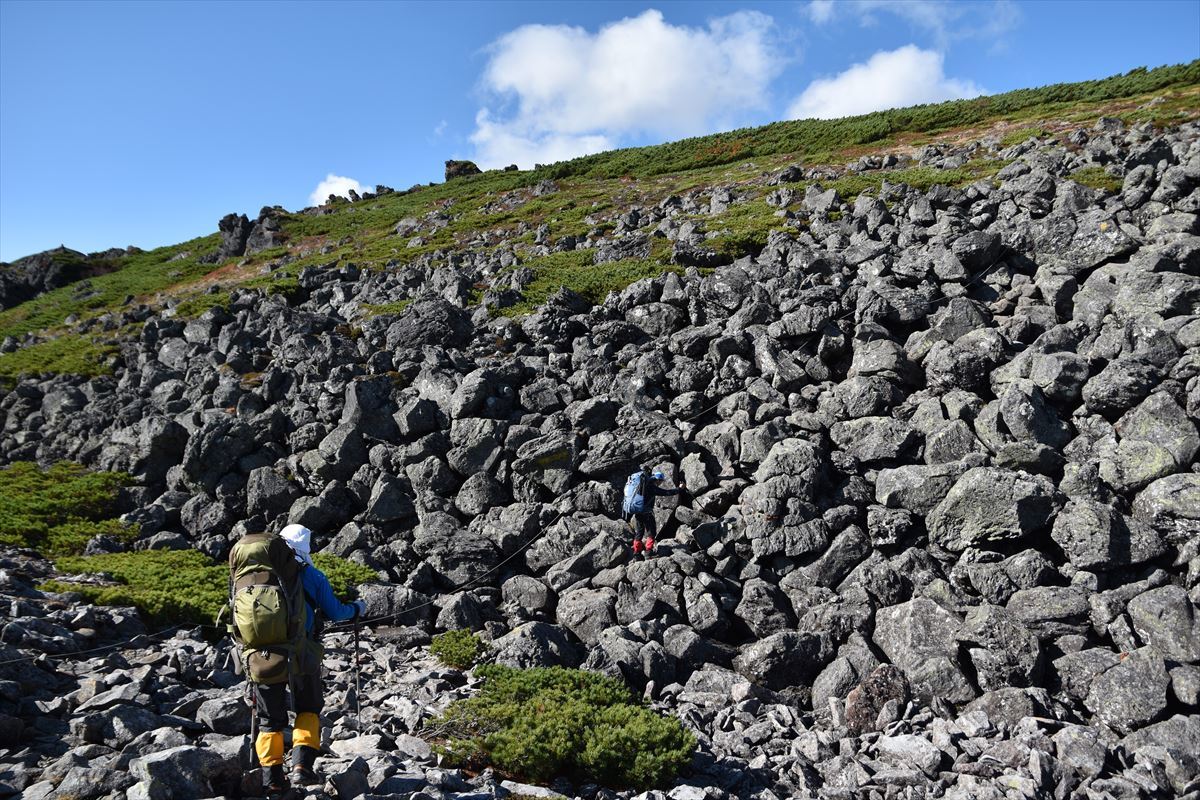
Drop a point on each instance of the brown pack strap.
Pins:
(256, 578)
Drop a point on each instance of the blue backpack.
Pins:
(635, 495)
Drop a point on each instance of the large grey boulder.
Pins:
(1118, 387)
(916, 487)
(1131, 694)
(528, 596)
(269, 493)
(1082, 748)
(1051, 611)
(214, 450)
(369, 407)
(1072, 674)
(1095, 537)
(1001, 649)
(911, 750)
(920, 637)
(117, 726)
(1030, 418)
(388, 501)
(430, 321)
(456, 556)
(988, 505)
(397, 604)
(1173, 742)
(1171, 505)
(787, 658)
(145, 450)
(587, 612)
(764, 608)
(1156, 438)
(874, 439)
(1072, 244)
(225, 715)
(795, 458)
(180, 772)
(536, 644)
(1167, 619)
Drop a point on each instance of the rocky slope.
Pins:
(942, 533)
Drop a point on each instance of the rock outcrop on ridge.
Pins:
(942, 528)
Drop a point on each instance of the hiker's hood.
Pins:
(299, 538)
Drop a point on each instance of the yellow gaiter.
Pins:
(307, 732)
(269, 747)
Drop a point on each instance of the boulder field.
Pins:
(941, 534)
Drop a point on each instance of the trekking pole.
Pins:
(253, 725)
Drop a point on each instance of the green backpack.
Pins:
(266, 598)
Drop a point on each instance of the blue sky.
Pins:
(143, 123)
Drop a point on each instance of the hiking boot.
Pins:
(649, 545)
(276, 782)
(637, 546)
(303, 773)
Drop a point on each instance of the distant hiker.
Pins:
(277, 595)
(638, 509)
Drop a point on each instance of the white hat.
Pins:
(299, 538)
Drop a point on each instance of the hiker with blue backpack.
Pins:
(638, 509)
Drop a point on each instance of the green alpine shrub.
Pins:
(343, 575)
(66, 354)
(170, 586)
(56, 510)
(458, 649)
(540, 724)
(167, 586)
(1098, 178)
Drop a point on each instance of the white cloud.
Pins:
(944, 20)
(820, 11)
(334, 184)
(890, 79)
(557, 91)
(440, 128)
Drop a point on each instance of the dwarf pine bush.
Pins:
(576, 270)
(56, 510)
(171, 586)
(167, 586)
(549, 722)
(1098, 178)
(343, 575)
(458, 649)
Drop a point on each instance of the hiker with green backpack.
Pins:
(277, 594)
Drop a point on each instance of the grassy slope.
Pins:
(591, 190)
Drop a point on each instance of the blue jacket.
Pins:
(317, 591)
(653, 489)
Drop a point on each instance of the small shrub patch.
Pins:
(1098, 178)
(67, 354)
(170, 586)
(56, 510)
(380, 309)
(458, 649)
(576, 270)
(196, 304)
(343, 575)
(167, 586)
(539, 724)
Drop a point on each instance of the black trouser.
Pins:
(272, 712)
(644, 525)
(307, 696)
